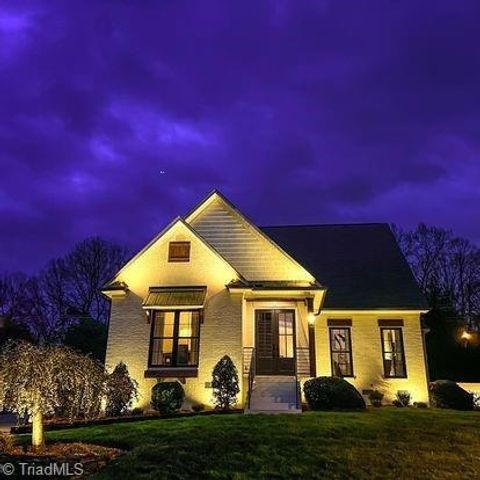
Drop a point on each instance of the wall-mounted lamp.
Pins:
(466, 337)
(311, 318)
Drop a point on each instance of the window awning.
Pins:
(164, 298)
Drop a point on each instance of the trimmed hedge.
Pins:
(447, 394)
(167, 397)
(329, 393)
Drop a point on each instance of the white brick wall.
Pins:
(367, 353)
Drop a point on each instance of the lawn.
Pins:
(384, 443)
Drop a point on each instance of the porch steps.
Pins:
(273, 394)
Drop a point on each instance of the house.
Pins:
(285, 303)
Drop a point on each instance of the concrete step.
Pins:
(274, 394)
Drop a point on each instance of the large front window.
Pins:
(175, 339)
(393, 353)
(341, 352)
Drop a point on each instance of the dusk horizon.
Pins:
(118, 118)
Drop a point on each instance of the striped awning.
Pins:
(163, 298)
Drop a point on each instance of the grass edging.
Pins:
(22, 429)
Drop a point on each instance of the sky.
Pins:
(117, 116)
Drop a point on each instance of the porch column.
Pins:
(311, 348)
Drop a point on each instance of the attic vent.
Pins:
(179, 252)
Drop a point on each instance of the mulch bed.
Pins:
(57, 460)
(63, 424)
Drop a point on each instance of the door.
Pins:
(275, 342)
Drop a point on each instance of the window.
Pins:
(341, 352)
(393, 353)
(175, 339)
(179, 252)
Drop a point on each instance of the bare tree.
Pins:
(447, 269)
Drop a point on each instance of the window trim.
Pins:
(404, 362)
(173, 259)
(175, 339)
(350, 351)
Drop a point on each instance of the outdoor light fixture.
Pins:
(466, 336)
(311, 318)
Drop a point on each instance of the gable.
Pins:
(151, 266)
(245, 247)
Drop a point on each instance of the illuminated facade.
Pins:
(212, 283)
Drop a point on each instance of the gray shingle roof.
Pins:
(360, 264)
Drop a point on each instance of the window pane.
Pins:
(187, 353)
(164, 323)
(342, 365)
(162, 352)
(340, 339)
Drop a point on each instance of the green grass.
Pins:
(377, 444)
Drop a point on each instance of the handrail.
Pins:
(297, 381)
(251, 376)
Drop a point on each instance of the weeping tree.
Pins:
(40, 381)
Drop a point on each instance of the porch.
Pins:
(278, 343)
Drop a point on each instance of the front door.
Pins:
(275, 342)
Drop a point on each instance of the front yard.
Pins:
(377, 444)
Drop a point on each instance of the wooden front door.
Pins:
(275, 342)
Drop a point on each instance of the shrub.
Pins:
(225, 383)
(198, 407)
(167, 397)
(121, 391)
(397, 403)
(404, 398)
(447, 394)
(137, 411)
(376, 397)
(420, 404)
(327, 393)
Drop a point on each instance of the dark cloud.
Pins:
(299, 111)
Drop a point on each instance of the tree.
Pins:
(37, 380)
(225, 383)
(87, 336)
(65, 292)
(447, 269)
(121, 391)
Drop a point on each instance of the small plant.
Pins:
(328, 393)
(198, 407)
(420, 404)
(402, 399)
(225, 383)
(121, 391)
(167, 397)
(136, 411)
(376, 397)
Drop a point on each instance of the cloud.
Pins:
(299, 111)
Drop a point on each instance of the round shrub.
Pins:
(328, 393)
(167, 397)
(447, 394)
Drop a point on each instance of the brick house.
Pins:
(285, 303)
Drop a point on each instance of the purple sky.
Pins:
(299, 112)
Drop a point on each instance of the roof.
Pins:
(159, 297)
(361, 265)
(275, 285)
